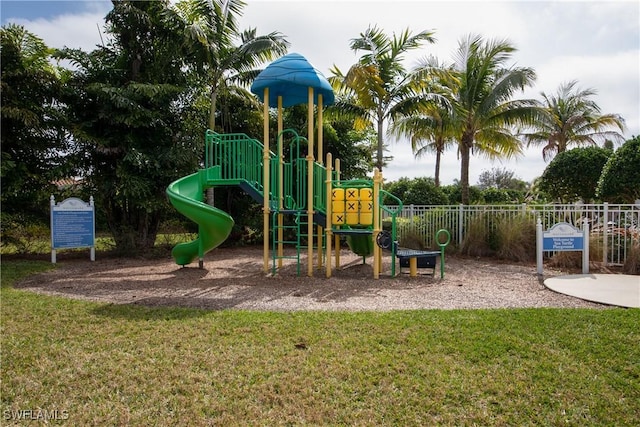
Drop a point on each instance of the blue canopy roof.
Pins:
(290, 77)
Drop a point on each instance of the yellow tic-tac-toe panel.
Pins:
(352, 194)
(366, 212)
(366, 194)
(366, 218)
(352, 207)
(352, 218)
(338, 218)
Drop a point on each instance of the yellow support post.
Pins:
(413, 267)
(265, 179)
(329, 226)
(310, 184)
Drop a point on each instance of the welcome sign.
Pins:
(562, 236)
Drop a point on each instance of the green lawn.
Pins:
(103, 364)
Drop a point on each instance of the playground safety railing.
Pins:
(238, 156)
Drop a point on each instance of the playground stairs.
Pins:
(288, 230)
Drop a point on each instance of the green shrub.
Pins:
(476, 240)
(412, 239)
(573, 175)
(24, 235)
(495, 196)
(632, 262)
(516, 239)
(454, 194)
(620, 179)
(501, 236)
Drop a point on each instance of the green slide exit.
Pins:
(360, 245)
(186, 195)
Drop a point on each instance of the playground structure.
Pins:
(321, 206)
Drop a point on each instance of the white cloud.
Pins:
(80, 31)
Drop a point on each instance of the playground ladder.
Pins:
(276, 228)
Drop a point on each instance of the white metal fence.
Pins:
(614, 227)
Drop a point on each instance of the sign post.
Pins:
(72, 225)
(562, 236)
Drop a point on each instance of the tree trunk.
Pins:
(133, 232)
(437, 173)
(465, 151)
(212, 110)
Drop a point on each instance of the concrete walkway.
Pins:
(614, 289)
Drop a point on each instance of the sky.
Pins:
(596, 43)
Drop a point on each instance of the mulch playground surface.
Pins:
(233, 278)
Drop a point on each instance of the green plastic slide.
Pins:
(214, 225)
(360, 244)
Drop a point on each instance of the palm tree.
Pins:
(570, 118)
(431, 130)
(225, 54)
(484, 110)
(378, 88)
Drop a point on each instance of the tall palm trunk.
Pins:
(465, 154)
(437, 172)
(212, 110)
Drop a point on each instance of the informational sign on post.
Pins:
(72, 225)
(560, 237)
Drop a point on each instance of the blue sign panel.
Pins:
(563, 237)
(566, 243)
(72, 229)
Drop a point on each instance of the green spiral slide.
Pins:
(214, 225)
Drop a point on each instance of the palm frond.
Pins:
(569, 117)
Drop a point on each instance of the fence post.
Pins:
(92, 254)
(460, 222)
(52, 203)
(605, 220)
(539, 246)
(585, 249)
